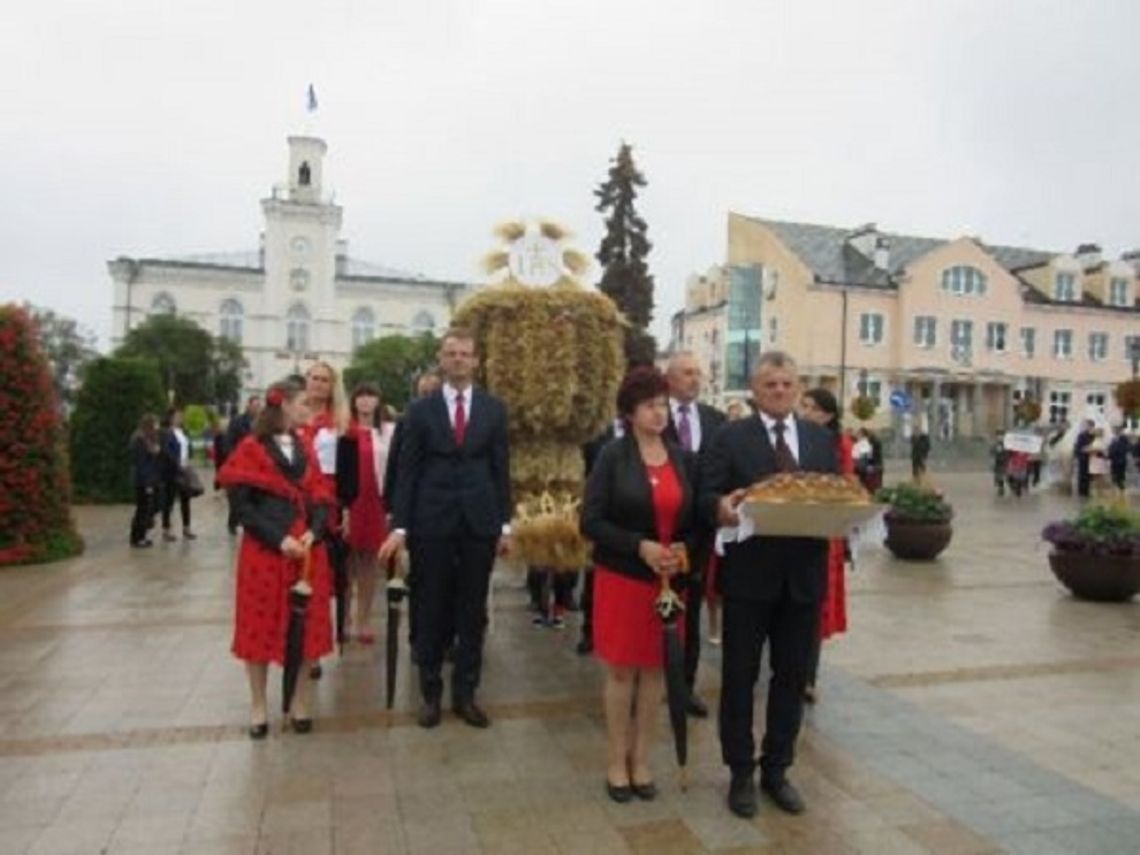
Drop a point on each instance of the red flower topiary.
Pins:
(35, 487)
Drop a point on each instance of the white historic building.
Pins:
(298, 297)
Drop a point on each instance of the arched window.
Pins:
(297, 329)
(964, 280)
(163, 304)
(363, 327)
(422, 322)
(230, 325)
(304, 174)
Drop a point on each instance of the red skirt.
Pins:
(627, 631)
(833, 612)
(261, 623)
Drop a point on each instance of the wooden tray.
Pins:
(807, 519)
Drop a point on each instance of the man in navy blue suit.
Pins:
(452, 510)
(772, 587)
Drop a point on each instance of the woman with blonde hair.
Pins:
(328, 420)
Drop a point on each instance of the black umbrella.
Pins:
(299, 596)
(338, 557)
(396, 591)
(669, 609)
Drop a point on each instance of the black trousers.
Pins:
(548, 587)
(171, 492)
(1119, 475)
(452, 577)
(791, 630)
(144, 513)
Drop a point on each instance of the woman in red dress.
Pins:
(282, 504)
(328, 420)
(639, 513)
(362, 463)
(820, 406)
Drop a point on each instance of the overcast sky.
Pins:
(146, 127)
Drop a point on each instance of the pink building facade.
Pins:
(958, 330)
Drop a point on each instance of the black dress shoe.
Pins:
(742, 795)
(621, 794)
(784, 795)
(585, 646)
(470, 713)
(316, 672)
(430, 714)
(696, 707)
(645, 792)
(259, 731)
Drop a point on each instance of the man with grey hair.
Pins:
(772, 587)
(692, 425)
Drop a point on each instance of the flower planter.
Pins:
(917, 541)
(1100, 578)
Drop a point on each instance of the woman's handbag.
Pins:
(189, 483)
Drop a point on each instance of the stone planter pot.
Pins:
(917, 541)
(1100, 578)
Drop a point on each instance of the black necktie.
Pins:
(785, 460)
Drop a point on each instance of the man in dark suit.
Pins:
(1081, 455)
(427, 383)
(692, 425)
(452, 508)
(772, 586)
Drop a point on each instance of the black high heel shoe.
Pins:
(646, 792)
(620, 794)
(259, 731)
(301, 725)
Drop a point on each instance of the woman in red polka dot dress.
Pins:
(282, 503)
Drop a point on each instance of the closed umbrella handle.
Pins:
(304, 584)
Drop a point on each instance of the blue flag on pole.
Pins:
(312, 106)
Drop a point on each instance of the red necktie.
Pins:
(460, 420)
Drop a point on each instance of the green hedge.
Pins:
(116, 392)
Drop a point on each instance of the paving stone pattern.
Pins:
(973, 707)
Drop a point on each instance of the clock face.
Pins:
(535, 260)
(299, 245)
(299, 279)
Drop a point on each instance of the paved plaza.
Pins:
(972, 707)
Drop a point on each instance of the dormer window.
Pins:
(1118, 292)
(1065, 288)
(964, 280)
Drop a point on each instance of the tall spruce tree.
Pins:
(625, 275)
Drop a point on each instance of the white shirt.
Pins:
(694, 421)
(183, 446)
(791, 432)
(450, 396)
(285, 443)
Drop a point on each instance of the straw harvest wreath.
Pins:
(554, 354)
